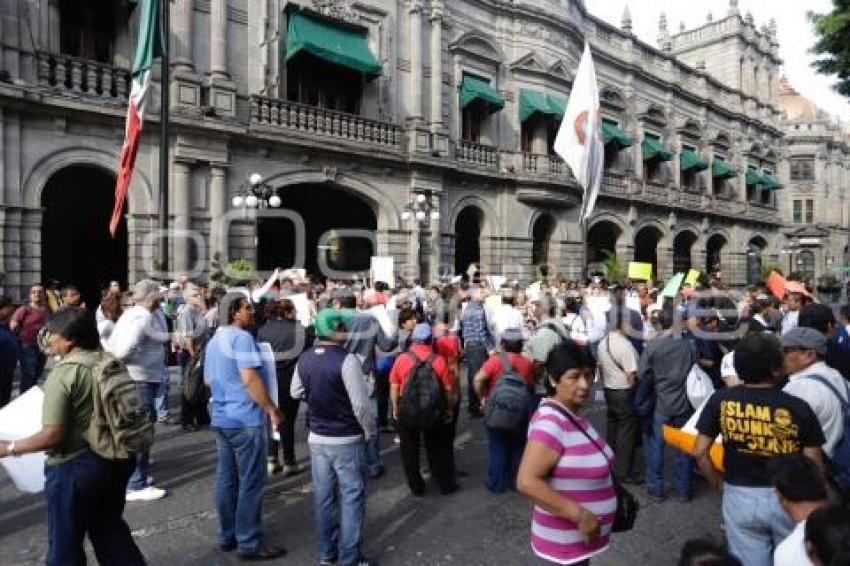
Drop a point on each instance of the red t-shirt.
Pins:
(523, 367)
(403, 366)
(448, 346)
(33, 320)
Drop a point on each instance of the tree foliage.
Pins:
(833, 44)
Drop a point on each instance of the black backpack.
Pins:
(196, 393)
(508, 404)
(422, 398)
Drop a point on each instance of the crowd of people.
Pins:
(368, 360)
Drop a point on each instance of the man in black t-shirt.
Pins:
(758, 422)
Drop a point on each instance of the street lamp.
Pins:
(420, 208)
(256, 193)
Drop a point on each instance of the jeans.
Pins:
(85, 495)
(382, 396)
(147, 393)
(339, 486)
(162, 405)
(7, 374)
(240, 478)
(504, 455)
(622, 431)
(755, 523)
(374, 461)
(32, 365)
(476, 355)
(684, 466)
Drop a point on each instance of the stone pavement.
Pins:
(471, 527)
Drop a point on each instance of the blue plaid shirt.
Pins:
(474, 327)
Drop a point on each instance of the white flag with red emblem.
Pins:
(579, 141)
(148, 48)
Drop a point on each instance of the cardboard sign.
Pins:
(692, 277)
(382, 270)
(19, 419)
(777, 285)
(671, 288)
(640, 271)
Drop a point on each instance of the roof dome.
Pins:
(795, 105)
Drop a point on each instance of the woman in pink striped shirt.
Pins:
(566, 467)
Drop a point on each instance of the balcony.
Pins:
(302, 119)
(529, 162)
(478, 154)
(81, 77)
(762, 212)
(655, 192)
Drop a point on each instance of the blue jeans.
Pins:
(32, 365)
(240, 479)
(339, 518)
(85, 495)
(147, 393)
(504, 455)
(374, 461)
(162, 405)
(755, 523)
(683, 469)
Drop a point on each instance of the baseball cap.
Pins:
(512, 335)
(806, 338)
(421, 333)
(329, 321)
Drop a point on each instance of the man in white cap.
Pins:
(139, 340)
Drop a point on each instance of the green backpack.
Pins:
(120, 426)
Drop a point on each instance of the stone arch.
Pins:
(598, 241)
(140, 198)
(756, 245)
(716, 252)
(648, 246)
(477, 43)
(543, 232)
(491, 217)
(657, 115)
(722, 139)
(386, 211)
(684, 242)
(614, 98)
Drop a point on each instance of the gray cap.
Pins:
(805, 338)
(512, 335)
(144, 289)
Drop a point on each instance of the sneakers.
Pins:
(264, 553)
(149, 493)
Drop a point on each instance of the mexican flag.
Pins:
(148, 48)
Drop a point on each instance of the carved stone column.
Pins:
(439, 135)
(414, 111)
(185, 83)
(434, 257)
(222, 89)
(218, 208)
(181, 181)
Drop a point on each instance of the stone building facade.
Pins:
(458, 119)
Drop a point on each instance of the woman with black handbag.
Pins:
(566, 469)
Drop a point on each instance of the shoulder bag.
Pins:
(627, 505)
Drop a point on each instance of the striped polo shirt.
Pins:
(581, 474)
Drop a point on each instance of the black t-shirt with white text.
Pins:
(758, 424)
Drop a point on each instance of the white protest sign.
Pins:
(267, 355)
(382, 270)
(19, 419)
(380, 313)
(302, 308)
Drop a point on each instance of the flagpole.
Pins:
(584, 252)
(165, 136)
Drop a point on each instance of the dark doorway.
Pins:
(646, 247)
(323, 208)
(682, 245)
(76, 247)
(602, 241)
(542, 232)
(468, 238)
(755, 247)
(714, 254)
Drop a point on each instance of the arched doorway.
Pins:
(76, 247)
(714, 254)
(602, 240)
(542, 232)
(324, 209)
(682, 244)
(755, 247)
(468, 226)
(646, 246)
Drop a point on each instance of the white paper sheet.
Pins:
(381, 313)
(302, 308)
(382, 270)
(633, 302)
(496, 281)
(19, 419)
(267, 355)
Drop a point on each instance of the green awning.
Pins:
(691, 161)
(334, 43)
(557, 104)
(722, 170)
(472, 89)
(753, 177)
(532, 101)
(653, 149)
(770, 182)
(611, 133)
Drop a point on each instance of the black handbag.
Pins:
(627, 504)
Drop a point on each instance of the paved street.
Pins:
(471, 527)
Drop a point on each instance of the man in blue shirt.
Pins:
(240, 406)
(478, 344)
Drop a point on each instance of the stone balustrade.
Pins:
(311, 120)
(75, 76)
(478, 154)
(529, 162)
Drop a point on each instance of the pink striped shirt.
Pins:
(583, 475)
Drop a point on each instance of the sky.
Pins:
(795, 35)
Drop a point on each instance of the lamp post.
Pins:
(420, 211)
(255, 192)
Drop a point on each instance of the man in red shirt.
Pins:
(447, 344)
(410, 435)
(505, 448)
(27, 321)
